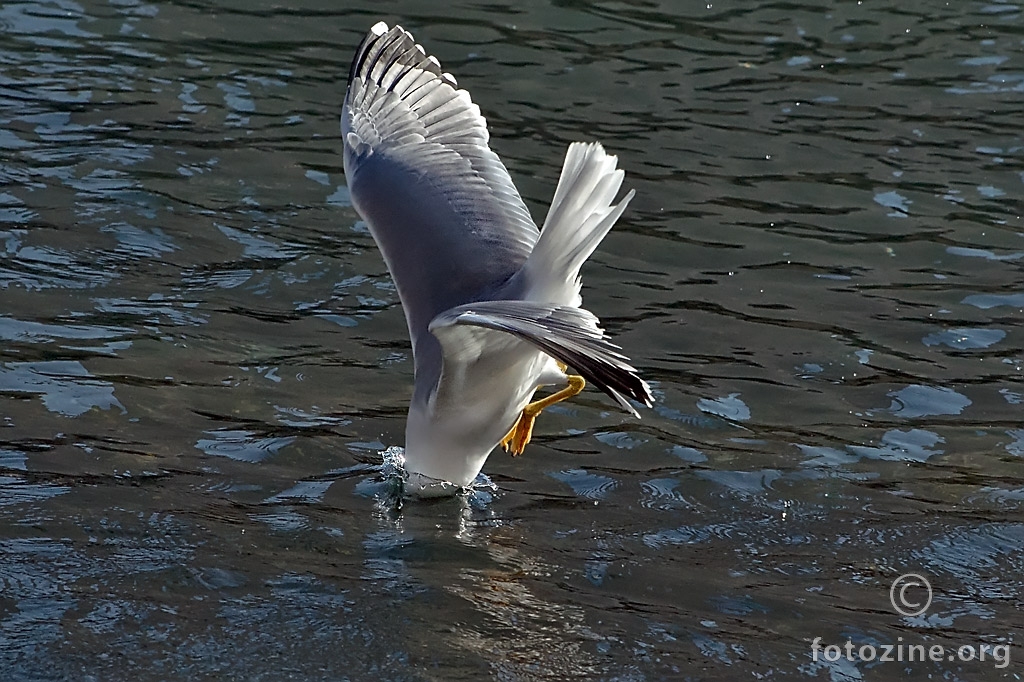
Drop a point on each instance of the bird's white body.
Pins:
(448, 442)
(492, 304)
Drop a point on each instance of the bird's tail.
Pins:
(580, 216)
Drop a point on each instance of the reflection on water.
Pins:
(204, 370)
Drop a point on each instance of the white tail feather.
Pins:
(580, 216)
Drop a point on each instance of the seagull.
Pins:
(492, 303)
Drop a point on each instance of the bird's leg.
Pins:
(519, 435)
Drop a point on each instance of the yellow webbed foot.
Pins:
(519, 435)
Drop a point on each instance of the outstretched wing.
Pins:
(566, 333)
(439, 203)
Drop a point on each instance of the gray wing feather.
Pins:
(568, 334)
(412, 138)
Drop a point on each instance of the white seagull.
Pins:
(491, 302)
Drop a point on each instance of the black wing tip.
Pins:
(397, 45)
(643, 393)
(380, 36)
(610, 370)
(618, 383)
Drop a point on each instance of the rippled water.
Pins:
(204, 361)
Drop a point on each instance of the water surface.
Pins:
(203, 358)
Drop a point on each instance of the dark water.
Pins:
(203, 357)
